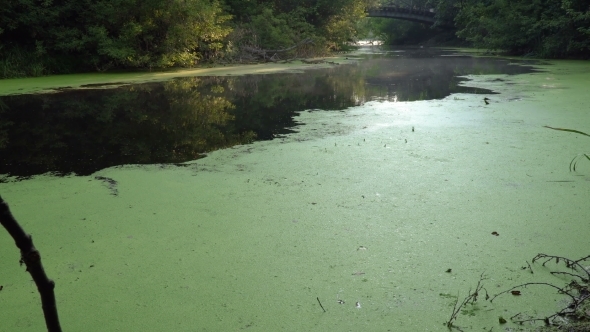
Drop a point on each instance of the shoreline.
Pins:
(56, 83)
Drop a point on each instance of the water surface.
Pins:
(400, 206)
(83, 131)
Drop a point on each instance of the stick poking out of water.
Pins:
(321, 304)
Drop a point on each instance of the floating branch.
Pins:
(574, 161)
(321, 304)
(32, 259)
(569, 130)
(569, 310)
(560, 289)
(570, 289)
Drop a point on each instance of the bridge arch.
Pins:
(403, 13)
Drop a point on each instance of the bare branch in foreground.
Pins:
(569, 263)
(471, 297)
(577, 292)
(32, 259)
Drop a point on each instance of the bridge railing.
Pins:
(404, 10)
(407, 6)
(415, 14)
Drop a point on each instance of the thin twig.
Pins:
(576, 301)
(530, 268)
(321, 304)
(568, 262)
(569, 130)
(561, 290)
(571, 274)
(471, 297)
(263, 53)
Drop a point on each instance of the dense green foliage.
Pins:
(546, 28)
(84, 34)
(543, 28)
(40, 37)
(57, 36)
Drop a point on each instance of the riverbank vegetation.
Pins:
(52, 37)
(543, 28)
(48, 37)
(539, 28)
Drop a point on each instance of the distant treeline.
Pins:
(540, 28)
(40, 37)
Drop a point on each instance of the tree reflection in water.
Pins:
(83, 131)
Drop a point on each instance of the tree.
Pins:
(545, 28)
(57, 36)
(86, 34)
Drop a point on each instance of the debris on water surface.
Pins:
(358, 273)
(361, 248)
(495, 233)
(358, 305)
(515, 292)
(449, 270)
(110, 183)
(321, 304)
(340, 302)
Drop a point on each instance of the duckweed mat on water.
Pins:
(54, 83)
(365, 209)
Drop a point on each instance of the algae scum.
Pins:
(229, 203)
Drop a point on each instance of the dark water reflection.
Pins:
(83, 131)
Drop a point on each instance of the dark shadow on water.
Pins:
(83, 131)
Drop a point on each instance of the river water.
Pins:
(382, 188)
(82, 131)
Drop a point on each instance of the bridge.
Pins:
(419, 15)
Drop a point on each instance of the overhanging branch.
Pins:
(264, 53)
